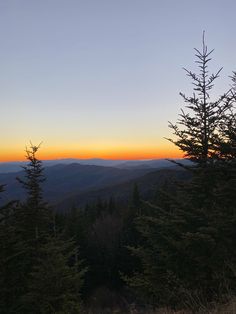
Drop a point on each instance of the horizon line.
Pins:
(94, 158)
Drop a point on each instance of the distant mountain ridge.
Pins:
(75, 184)
(148, 185)
(16, 166)
(64, 180)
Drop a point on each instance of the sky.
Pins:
(101, 78)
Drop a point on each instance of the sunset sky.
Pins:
(101, 78)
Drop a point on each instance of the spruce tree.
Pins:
(197, 130)
(32, 221)
(56, 279)
(11, 251)
(34, 215)
(50, 275)
(188, 239)
(7, 239)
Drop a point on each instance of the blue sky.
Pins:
(101, 78)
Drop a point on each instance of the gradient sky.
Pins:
(101, 78)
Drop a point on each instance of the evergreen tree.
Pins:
(7, 253)
(188, 239)
(56, 279)
(136, 200)
(41, 273)
(111, 205)
(34, 214)
(198, 133)
(32, 222)
(12, 250)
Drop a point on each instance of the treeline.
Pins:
(176, 249)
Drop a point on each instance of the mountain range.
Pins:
(15, 166)
(74, 184)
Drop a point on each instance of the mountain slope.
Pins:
(65, 180)
(147, 184)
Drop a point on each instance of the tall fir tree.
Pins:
(32, 221)
(188, 239)
(34, 215)
(197, 130)
(40, 272)
(56, 279)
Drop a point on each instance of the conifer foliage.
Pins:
(9, 249)
(56, 279)
(188, 250)
(197, 129)
(34, 212)
(41, 271)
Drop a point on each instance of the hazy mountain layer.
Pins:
(6, 167)
(65, 180)
(148, 185)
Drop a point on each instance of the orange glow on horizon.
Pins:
(127, 154)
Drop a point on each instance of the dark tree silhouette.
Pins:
(197, 130)
(34, 214)
(188, 235)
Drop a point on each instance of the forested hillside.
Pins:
(64, 181)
